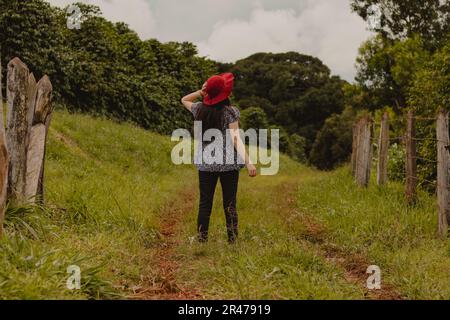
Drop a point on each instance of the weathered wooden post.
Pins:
(356, 128)
(38, 138)
(442, 136)
(411, 160)
(383, 148)
(364, 152)
(19, 93)
(359, 150)
(4, 158)
(359, 139)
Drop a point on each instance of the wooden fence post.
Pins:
(364, 152)
(442, 136)
(359, 149)
(383, 147)
(411, 160)
(18, 127)
(355, 147)
(4, 158)
(38, 138)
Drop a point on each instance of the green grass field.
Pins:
(119, 209)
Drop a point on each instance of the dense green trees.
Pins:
(334, 141)
(31, 30)
(386, 68)
(429, 91)
(296, 92)
(254, 118)
(104, 67)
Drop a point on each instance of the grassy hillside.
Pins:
(107, 186)
(118, 208)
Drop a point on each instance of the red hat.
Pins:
(218, 88)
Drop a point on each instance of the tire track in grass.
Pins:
(165, 285)
(354, 265)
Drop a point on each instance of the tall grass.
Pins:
(105, 186)
(376, 223)
(108, 187)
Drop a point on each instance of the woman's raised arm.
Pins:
(188, 100)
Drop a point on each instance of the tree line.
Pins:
(106, 69)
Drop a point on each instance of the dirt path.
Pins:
(166, 286)
(354, 265)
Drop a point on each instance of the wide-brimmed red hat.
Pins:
(218, 88)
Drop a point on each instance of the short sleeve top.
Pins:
(230, 161)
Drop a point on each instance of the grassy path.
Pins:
(166, 286)
(293, 246)
(276, 257)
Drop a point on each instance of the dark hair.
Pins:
(212, 117)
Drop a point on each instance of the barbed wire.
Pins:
(422, 160)
(405, 119)
(426, 118)
(425, 159)
(414, 139)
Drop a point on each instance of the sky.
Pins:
(229, 30)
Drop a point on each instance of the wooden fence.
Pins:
(23, 139)
(361, 161)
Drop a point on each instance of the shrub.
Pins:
(297, 148)
(396, 163)
(254, 118)
(333, 144)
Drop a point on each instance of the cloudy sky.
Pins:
(227, 30)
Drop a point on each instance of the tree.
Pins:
(385, 69)
(254, 118)
(278, 77)
(333, 144)
(400, 19)
(296, 91)
(30, 30)
(104, 67)
(254, 101)
(429, 92)
(307, 114)
(297, 148)
(430, 87)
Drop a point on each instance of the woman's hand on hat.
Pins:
(203, 91)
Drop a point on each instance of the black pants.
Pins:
(208, 181)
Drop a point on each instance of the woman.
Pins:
(216, 112)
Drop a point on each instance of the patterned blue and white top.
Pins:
(231, 115)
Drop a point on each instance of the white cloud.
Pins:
(233, 29)
(326, 29)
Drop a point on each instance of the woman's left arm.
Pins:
(188, 100)
(240, 148)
